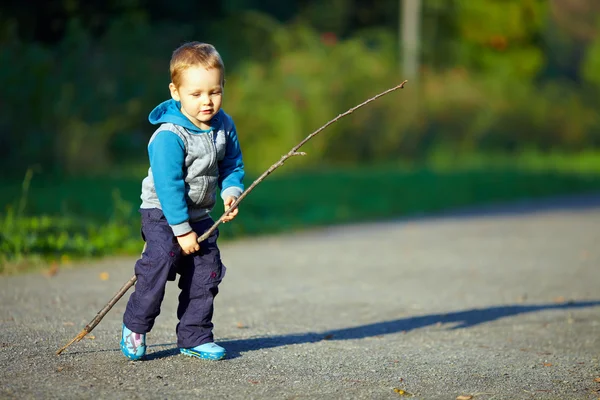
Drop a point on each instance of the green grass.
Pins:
(583, 162)
(60, 219)
(348, 196)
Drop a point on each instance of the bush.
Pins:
(77, 97)
(86, 100)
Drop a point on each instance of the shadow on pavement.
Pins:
(173, 351)
(463, 319)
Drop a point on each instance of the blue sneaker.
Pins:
(133, 345)
(206, 351)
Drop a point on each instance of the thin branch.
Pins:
(89, 327)
(293, 152)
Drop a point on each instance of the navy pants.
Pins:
(200, 274)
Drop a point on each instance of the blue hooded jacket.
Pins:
(187, 164)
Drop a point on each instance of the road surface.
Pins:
(494, 303)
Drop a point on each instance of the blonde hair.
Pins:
(194, 54)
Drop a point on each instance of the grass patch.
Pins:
(333, 197)
(53, 219)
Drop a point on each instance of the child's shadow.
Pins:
(154, 355)
(463, 319)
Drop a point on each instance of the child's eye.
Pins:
(216, 93)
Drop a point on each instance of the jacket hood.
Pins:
(169, 111)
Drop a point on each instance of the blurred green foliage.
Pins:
(502, 83)
(81, 102)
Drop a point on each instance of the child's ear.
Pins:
(174, 92)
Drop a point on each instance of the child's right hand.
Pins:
(188, 243)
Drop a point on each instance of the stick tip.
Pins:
(75, 339)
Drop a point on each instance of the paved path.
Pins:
(500, 303)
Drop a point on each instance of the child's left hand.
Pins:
(228, 202)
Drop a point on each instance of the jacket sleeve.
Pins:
(167, 155)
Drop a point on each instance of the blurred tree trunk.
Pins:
(410, 26)
(579, 18)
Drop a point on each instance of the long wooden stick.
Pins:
(293, 152)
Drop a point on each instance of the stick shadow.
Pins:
(462, 319)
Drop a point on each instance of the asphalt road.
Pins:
(495, 303)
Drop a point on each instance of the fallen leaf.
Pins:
(53, 270)
(464, 397)
(104, 276)
(559, 299)
(59, 369)
(240, 325)
(253, 382)
(91, 337)
(547, 364)
(402, 392)
(328, 337)
(597, 380)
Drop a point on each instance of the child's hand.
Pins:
(188, 243)
(228, 202)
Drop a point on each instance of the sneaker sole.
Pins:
(203, 355)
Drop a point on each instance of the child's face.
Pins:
(200, 94)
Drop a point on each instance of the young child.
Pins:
(193, 150)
